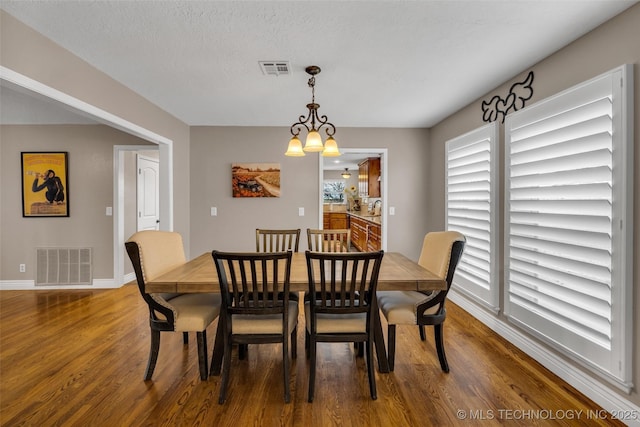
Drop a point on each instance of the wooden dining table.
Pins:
(397, 272)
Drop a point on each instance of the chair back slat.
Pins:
(254, 282)
(333, 240)
(341, 283)
(277, 240)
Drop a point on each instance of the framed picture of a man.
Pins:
(45, 190)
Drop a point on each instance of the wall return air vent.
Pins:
(275, 68)
(64, 266)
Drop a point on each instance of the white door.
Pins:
(148, 193)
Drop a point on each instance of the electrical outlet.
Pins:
(300, 211)
(23, 268)
(214, 211)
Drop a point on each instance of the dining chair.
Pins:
(336, 240)
(342, 304)
(256, 306)
(153, 253)
(277, 240)
(441, 252)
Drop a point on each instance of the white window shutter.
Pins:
(472, 187)
(567, 186)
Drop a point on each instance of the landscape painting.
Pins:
(255, 179)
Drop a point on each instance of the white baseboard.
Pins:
(24, 285)
(596, 390)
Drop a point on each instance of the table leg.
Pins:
(218, 350)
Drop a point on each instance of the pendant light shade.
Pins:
(295, 148)
(313, 144)
(330, 148)
(346, 174)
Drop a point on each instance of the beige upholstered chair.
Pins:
(338, 240)
(342, 290)
(277, 240)
(153, 253)
(256, 306)
(440, 254)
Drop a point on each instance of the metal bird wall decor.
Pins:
(498, 108)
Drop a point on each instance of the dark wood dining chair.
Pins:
(441, 252)
(342, 304)
(256, 308)
(337, 240)
(153, 253)
(277, 240)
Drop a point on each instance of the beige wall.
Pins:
(213, 149)
(89, 192)
(29, 53)
(609, 46)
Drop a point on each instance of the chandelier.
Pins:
(313, 143)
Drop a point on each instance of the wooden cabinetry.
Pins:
(374, 237)
(334, 220)
(368, 175)
(365, 235)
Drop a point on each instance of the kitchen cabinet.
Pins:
(334, 220)
(365, 234)
(368, 175)
(374, 238)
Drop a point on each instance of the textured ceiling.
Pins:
(384, 63)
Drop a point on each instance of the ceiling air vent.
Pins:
(275, 68)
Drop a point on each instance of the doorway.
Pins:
(331, 166)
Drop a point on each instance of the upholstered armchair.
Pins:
(153, 253)
(440, 254)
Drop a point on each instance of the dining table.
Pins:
(397, 273)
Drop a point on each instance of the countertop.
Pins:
(376, 219)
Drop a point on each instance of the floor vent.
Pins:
(275, 68)
(64, 266)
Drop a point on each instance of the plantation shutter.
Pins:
(472, 185)
(567, 184)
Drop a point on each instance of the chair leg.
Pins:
(360, 349)
(226, 366)
(202, 354)
(294, 343)
(153, 354)
(243, 349)
(312, 367)
(185, 338)
(440, 347)
(422, 335)
(218, 350)
(391, 336)
(285, 368)
(370, 369)
(306, 342)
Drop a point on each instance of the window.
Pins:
(333, 191)
(472, 187)
(568, 201)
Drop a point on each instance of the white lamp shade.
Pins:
(313, 142)
(330, 148)
(295, 148)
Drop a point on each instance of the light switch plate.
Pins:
(392, 210)
(214, 211)
(109, 211)
(300, 211)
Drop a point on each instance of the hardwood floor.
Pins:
(77, 358)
